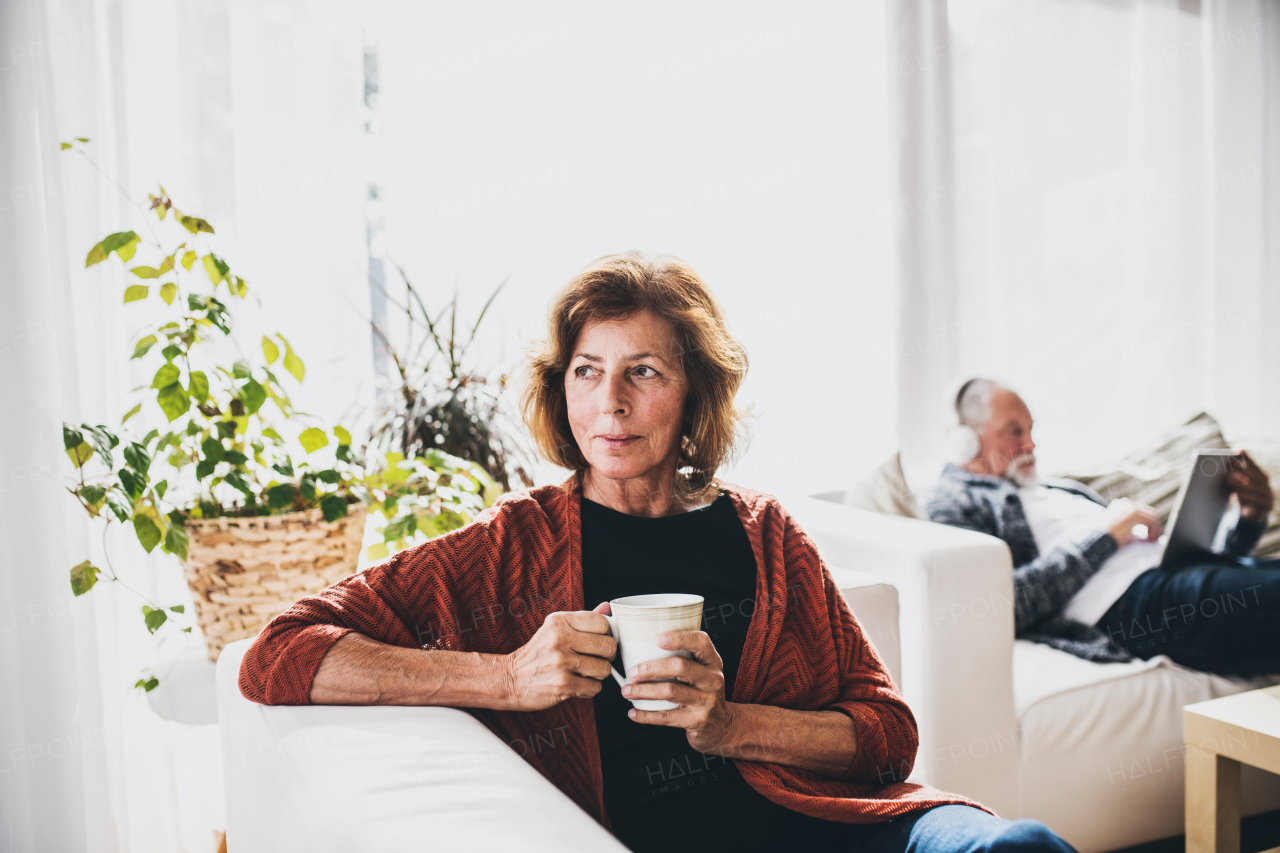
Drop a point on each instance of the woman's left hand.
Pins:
(704, 714)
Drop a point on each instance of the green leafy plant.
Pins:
(439, 402)
(424, 497)
(221, 450)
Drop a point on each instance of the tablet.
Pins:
(1201, 504)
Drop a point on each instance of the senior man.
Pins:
(1084, 580)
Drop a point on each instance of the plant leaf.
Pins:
(83, 577)
(171, 352)
(270, 350)
(140, 349)
(150, 684)
(154, 616)
(194, 224)
(212, 449)
(378, 551)
(131, 413)
(165, 376)
(101, 439)
(96, 255)
(119, 504)
(66, 146)
(280, 496)
(292, 363)
(131, 483)
(199, 386)
(236, 481)
(123, 243)
(148, 535)
(168, 291)
(188, 259)
(329, 476)
(173, 401)
(115, 242)
(71, 436)
(137, 458)
(344, 437)
(216, 268)
(146, 272)
(93, 494)
(80, 454)
(333, 507)
(253, 396)
(175, 542)
(178, 608)
(135, 292)
(313, 439)
(82, 139)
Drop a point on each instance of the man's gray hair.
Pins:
(973, 402)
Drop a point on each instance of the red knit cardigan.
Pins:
(487, 587)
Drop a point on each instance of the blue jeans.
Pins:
(1217, 614)
(954, 829)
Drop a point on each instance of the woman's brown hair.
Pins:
(619, 286)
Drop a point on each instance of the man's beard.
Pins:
(1022, 470)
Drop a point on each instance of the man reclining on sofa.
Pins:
(1083, 582)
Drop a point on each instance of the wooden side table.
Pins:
(1220, 735)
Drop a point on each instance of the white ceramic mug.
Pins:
(637, 621)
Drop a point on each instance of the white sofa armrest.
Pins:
(345, 778)
(956, 592)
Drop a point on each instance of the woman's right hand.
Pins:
(566, 659)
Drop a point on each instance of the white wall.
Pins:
(749, 139)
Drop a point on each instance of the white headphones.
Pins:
(961, 443)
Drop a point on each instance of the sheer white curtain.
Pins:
(1117, 214)
(247, 114)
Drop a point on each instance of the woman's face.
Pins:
(625, 391)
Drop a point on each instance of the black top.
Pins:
(658, 790)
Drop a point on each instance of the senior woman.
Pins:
(788, 727)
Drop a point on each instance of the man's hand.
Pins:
(1252, 488)
(566, 659)
(704, 714)
(1123, 514)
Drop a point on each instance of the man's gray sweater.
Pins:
(1043, 584)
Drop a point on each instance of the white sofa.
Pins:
(1093, 750)
(386, 779)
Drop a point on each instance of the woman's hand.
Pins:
(565, 659)
(704, 714)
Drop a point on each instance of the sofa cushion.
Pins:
(1153, 474)
(884, 490)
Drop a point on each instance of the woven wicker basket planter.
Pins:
(245, 571)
